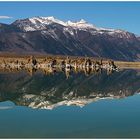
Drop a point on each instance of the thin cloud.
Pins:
(5, 17)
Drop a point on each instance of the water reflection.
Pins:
(54, 88)
(67, 71)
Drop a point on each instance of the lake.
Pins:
(70, 105)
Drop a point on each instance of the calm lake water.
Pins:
(97, 105)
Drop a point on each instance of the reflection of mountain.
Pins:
(41, 91)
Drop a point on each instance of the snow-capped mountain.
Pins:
(42, 35)
(42, 23)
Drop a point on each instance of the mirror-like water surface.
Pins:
(57, 105)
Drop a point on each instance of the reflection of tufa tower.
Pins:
(67, 72)
(87, 71)
(30, 71)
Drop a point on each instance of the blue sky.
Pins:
(119, 15)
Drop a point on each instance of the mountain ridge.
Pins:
(48, 35)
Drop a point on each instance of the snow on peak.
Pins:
(41, 23)
(37, 23)
(49, 20)
(82, 21)
(80, 24)
(45, 20)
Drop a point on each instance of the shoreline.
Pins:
(50, 63)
